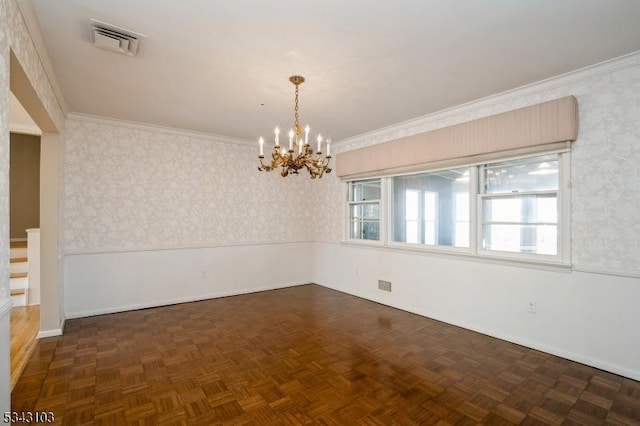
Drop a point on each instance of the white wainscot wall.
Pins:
(112, 282)
(585, 317)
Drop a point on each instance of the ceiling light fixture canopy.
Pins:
(544, 169)
(300, 154)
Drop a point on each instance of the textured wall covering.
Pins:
(605, 175)
(4, 151)
(329, 217)
(136, 187)
(605, 171)
(23, 47)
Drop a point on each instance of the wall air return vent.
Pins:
(115, 39)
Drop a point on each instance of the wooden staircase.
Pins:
(25, 318)
(18, 275)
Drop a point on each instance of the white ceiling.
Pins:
(208, 65)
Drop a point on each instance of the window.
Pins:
(432, 208)
(520, 205)
(364, 209)
(420, 216)
(519, 210)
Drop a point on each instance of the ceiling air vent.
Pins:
(110, 37)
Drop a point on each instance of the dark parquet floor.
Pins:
(306, 355)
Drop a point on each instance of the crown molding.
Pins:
(88, 118)
(30, 20)
(388, 133)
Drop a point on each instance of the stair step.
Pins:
(18, 268)
(19, 299)
(18, 252)
(18, 275)
(17, 259)
(17, 244)
(18, 283)
(18, 291)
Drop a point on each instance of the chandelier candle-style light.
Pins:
(300, 154)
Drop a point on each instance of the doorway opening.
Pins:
(24, 236)
(50, 292)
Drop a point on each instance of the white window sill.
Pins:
(370, 243)
(462, 254)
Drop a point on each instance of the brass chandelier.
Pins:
(300, 154)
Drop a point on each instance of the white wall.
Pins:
(51, 281)
(110, 282)
(588, 313)
(590, 318)
(148, 210)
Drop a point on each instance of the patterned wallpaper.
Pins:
(139, 187)
(23, 47)
(4, 152)
(605, 169)
(329, 217)
(14, 34)
(605, 174)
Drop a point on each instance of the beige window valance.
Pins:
(537, 125)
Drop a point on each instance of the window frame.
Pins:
(381, 207)
(561, 193)
(475, 250)
(390, 242)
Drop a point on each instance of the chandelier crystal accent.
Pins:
(300, 154)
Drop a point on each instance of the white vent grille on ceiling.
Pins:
(110, 37)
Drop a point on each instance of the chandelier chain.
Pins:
(296, 125)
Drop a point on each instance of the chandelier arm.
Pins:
(264, 167)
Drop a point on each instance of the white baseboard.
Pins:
(167, 302)
(49, 333)
(602, 365)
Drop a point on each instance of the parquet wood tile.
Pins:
(306, 355)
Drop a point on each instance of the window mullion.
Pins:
(564, 207)
(421, 216)
(474, 202)
(385, 217)
(363, 218)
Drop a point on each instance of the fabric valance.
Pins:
(537, 125)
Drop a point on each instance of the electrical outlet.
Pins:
(531, 308)
(384, 285)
